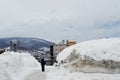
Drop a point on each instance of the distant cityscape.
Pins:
(48, 50)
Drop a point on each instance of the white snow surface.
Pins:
(60, 73)
(101, 49)
(19, 66)
(22, 66)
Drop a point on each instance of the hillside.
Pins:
(102, 55)
(26, 43)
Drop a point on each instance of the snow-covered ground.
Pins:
(54, 73)
(107, 49)
(22, 66)
(19, 66)
(102, 55)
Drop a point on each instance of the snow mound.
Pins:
(102, 55)
(19, 66)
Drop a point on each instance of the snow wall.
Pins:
(102, 55)
(19, 66)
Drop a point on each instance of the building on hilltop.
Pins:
(69, 43)
(55, 49)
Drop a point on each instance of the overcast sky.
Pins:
(55, 20)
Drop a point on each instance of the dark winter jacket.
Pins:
(43, 62)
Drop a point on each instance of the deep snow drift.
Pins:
(19, 66)
(102, 55)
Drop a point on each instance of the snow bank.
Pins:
(55, 73)
(19, 66)
(102, 55)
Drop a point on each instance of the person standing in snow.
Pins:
(43, 62)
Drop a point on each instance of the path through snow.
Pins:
(36, 75)
(53, 73)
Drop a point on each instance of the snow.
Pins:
(22, 66)
(100, 55)
(19, 66)
(107, 49)
(54, 73)
(27, 68)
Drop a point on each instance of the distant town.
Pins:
(49, 53)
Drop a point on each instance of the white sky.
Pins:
(55, 20)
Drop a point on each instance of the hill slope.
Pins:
(26, 43)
